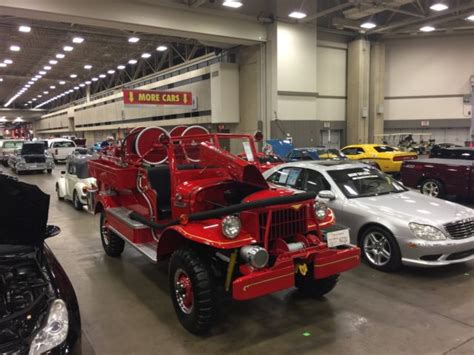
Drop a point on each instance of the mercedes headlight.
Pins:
(320, 209)
(426, 232)
(54, 332)
(231, 226)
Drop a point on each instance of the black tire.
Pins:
(57, 193)
(76, 202)
(432, 187)
(189, 271)
(316, 288)
(49, 171)
(380, 249)
(112, 244)
(5, 164)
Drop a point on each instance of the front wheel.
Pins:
(192, 291)
(76, 202)
(380, 249)
(112, 244)
(432, 188)
(316, 288)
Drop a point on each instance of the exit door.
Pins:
(331, 138)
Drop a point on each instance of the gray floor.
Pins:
(126, 308)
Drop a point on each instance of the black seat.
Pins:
(160, 180)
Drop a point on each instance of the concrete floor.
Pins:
(126, 308)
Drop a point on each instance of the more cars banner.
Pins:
(155, 97)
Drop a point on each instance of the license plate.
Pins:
(33, 165)
(340, 237)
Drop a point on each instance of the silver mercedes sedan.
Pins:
(391, 224)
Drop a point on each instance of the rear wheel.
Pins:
(49, 171)
(192, 291)
(57, 193)
(380, 249)
(112, 244)
(432, 187)
(76, 202)
(316, 288)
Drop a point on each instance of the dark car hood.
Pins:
(23, 213)
(33, 148)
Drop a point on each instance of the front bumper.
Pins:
(446, 252)
(323, 261)
(33, 166)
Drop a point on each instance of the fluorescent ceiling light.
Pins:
(121, 67)
(47, 67)
(8, 61)
(42, 72)
(146, 55)
(24, 28)
(132, 61)
(133, 39)
(68, 48)
(439, 6)
(95, 79)
(232, 3)
(31, 82)
(102, 76)
(161, 48)
(34, 79)
(88, 82)
(1, 79)
(2, 65)
(53, 62)
(15, 48)
(427, 29)
(77, 40)
(46, 92)
(39, 95)
(73, 76)
(60, 55)
(38, 77)
(88, 66)
(62, 82)
(111, 71)
(368, 25)
(52, 87)
(297, 15)
(82, 85)
(33, 99)
(76, 87)
(470, 18)
(26, 86)
(18, 119)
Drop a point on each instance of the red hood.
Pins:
(268, 193)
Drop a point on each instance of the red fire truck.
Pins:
(184, 197)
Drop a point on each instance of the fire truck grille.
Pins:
(461, 229)
(284, 223)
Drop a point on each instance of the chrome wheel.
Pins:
(183, 291)
(105, 233)
(430, 188)
(377, 248)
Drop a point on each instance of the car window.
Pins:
(315, 182)
(64, 144)
(292, 177)
(12, 144)
(296, 154)
(384, 148)
(353, 151)
(306, 156)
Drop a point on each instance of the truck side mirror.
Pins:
(327, 195)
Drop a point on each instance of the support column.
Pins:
(471, 130)
(376, 92)
(358, 71)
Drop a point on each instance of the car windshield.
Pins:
(364, 182)
(82, 170)
(63, 144)
(33, 148)
(13, 144)
(384, 148)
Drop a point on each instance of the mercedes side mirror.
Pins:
(52, 231)
(327, 195)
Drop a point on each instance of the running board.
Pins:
(148, 249)
(123, 214)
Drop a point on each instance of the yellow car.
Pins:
(388, 159)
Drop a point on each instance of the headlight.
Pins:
(320, 210)
(231, 226)
(54, 331)
(426, 232)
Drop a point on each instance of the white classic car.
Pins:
(74, 183)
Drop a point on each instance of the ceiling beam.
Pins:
(329, 11)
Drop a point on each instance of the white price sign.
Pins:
(337, 238)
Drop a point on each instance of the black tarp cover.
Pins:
(23, 212)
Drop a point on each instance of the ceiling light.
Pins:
(46, 92)
(146, 55)
(33, 99)
(133, 39)
(76, 87)
(60, 55)
(82, 85)
(427, 29)
(161, 48)
(39, 95)
(232, 3)
(2, 65)
(8, 61)
(121, 67)
(297, 15)
(368, 25)
(42, 72)
(1, 79)
(31, 82)
(18, 119)
(25, 29)
(15, 48)
(26, 86)
(111, 71)
(102, 76)
(88, 66)
(73, 76)
(95, 79)
(470, 18)
(38, 77)
(68, 48)
(77, 40)
(53, 62)
(132, 61)
(62, 82)
(52, 87)
(439, 6)
(34, 79)
(88, 82)
(47, 67)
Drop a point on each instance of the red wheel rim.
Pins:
(184, 291)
